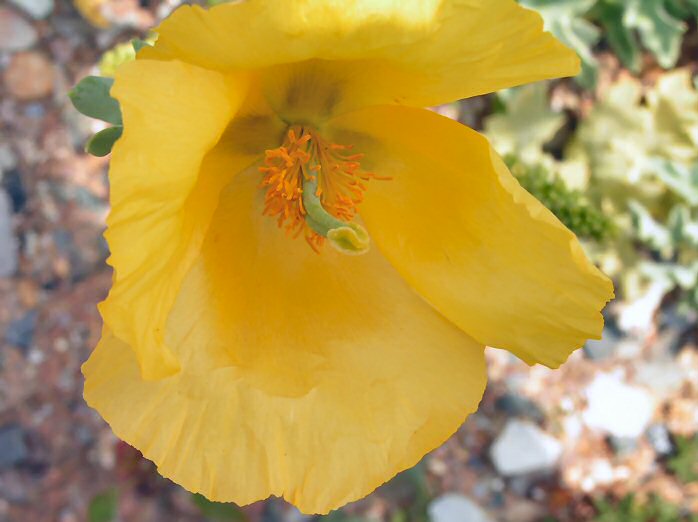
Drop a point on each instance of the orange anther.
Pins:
(339, 178)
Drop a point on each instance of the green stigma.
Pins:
(347, 238)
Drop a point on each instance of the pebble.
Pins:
(29, 76)
(16, 34)
(617, 408)
(8, 243)
(20, 333)
(603, 349)
(13, 447)
(664, 376)
(659, 437)
(453, 507)
(37, 9)
(522, 448)
(515, 405)
(14, 186)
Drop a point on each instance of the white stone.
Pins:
(8, 243)
(37, 9)
(522, 447)
(16, 34)
(664, 377)
(453, 507)
(616, 407)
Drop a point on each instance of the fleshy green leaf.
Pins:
(570, 206)
(123, 53)
(113, 58)
(218, 511)
(101, 143)
(684, 229)
(660, 32)
(649, 230)
(622, 40)
(103, 507)
(564, 18)
(685, 462)
(91, 97)
(139, 44)
(527, 124)
(682, 180)
(683, 9)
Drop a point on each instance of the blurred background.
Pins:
(610, 437)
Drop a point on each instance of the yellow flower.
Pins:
(246, 361)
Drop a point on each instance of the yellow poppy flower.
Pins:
(308, 265)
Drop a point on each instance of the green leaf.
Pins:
(123, 53)
(683, 9)
(101, 143)
(218, 511)
(680, 179)
(103, 507)
(684, 464)
(660, 32)
(621, 39)
(113, 58)
(569, 206)
(674, 104)
(91, 97)
(527, 124)
(684, 228)
(649, 230)
(565, 19)
(139, 44)
(629, 129)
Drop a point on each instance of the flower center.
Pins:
(314, 188)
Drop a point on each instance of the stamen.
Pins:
(314, 187)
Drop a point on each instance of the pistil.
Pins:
(314, 188)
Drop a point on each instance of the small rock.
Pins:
(456, 508)
(523, 448)
(623, 446)
(660, 440)
(13, 447)
(617, 408)
(520, 485)
(16, 34)
(14, 186)
(664, 377)
(37, 9)
(598, 350)
(8, 243)
(29, 76)
(20, 333)
(516, 405)
(35, 110)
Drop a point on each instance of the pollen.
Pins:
(314, 187)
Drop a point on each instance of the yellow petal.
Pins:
(479, 248)
(413, 52)
(162, 199)
(315, 377)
